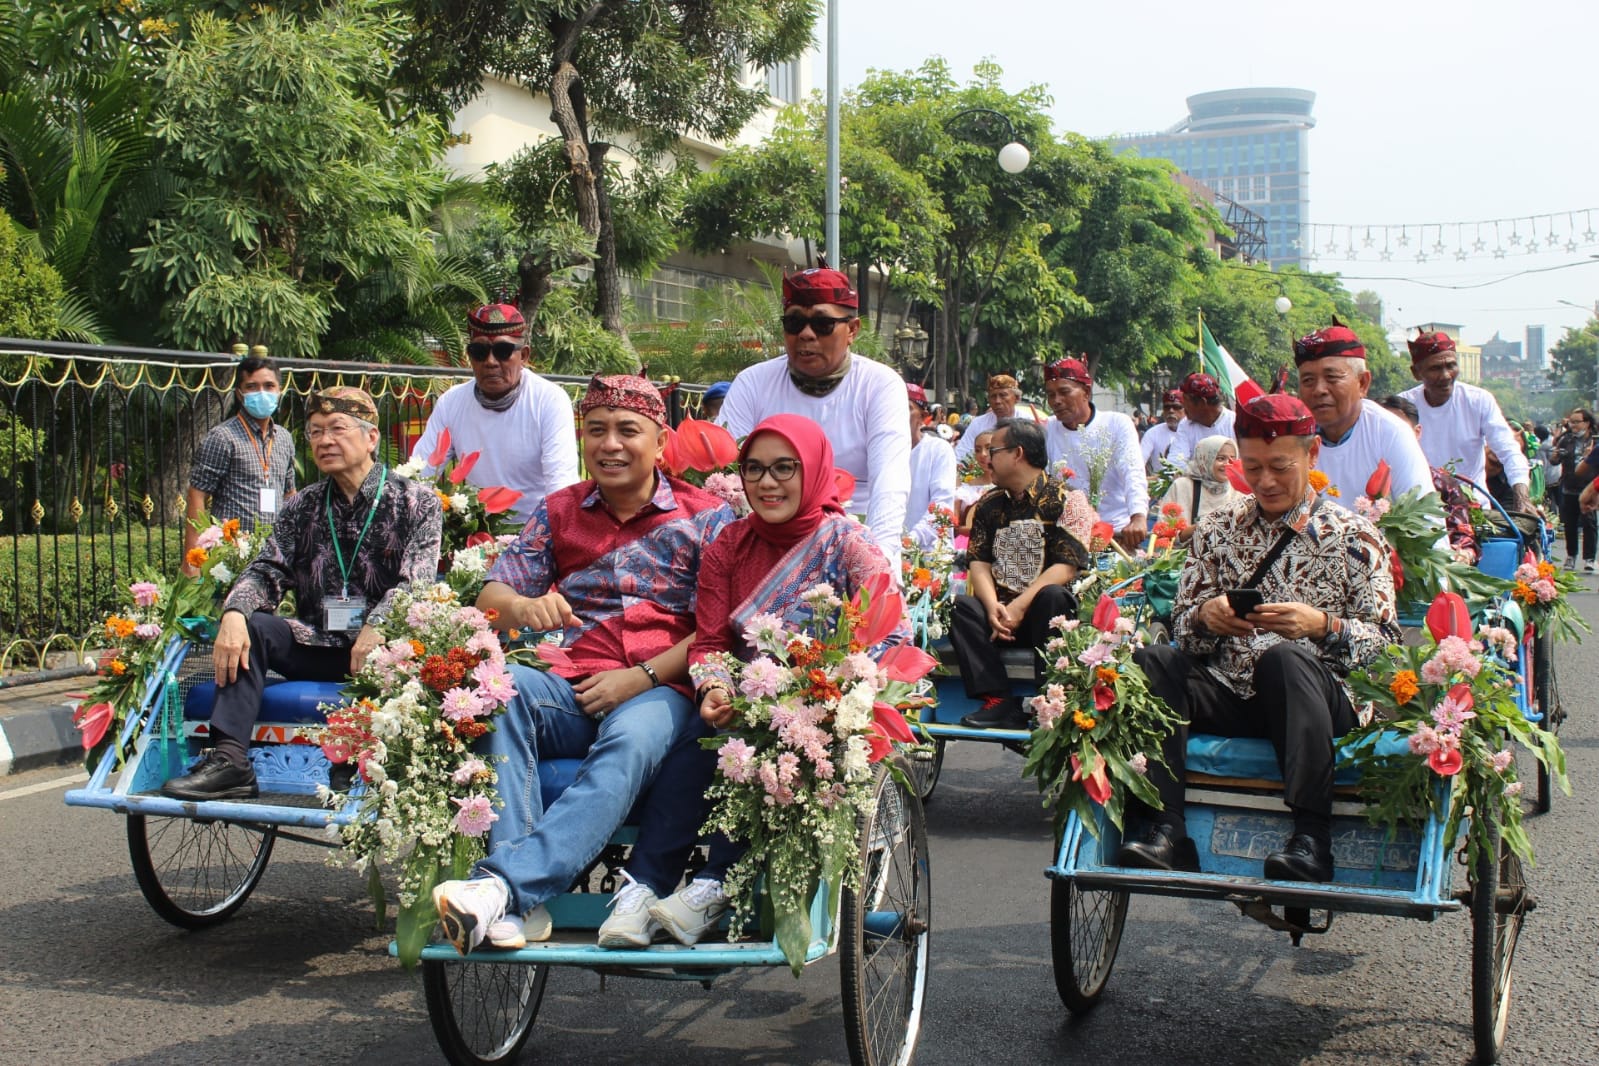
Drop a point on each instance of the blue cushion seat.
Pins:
(1253, 758)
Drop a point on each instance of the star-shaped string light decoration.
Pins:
(1460, 255)
(1479, 245)
(1499, 253)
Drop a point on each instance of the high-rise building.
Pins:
(1537, 351)
(1250, 145)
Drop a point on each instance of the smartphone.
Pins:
(1242, 601)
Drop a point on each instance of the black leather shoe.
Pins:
(1303, 858)
(1006, 714)
(1158, 847)
(215, 778)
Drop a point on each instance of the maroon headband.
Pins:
(1275, 415)
(626, 392)
(818, 285)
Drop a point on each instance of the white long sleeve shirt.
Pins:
(1108, 439)
(864, 419)
(932, 481)
(1457, 431)
(1377, 434)
(1156, 445)
(1190, 433)
(531, 447)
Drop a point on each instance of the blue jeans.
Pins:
(538, 852)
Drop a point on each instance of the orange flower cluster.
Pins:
(444, 501)
(1105, 675)
(444, 672)
(823, 688)
(1318, 480)
(230, 530)
(1524, 593)
(118, 667)
(803, 654)
(195, 557)
(1548, 571)
(1404, 687)
(119, 628)
(1085, 722)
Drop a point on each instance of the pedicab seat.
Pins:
(1252, 758)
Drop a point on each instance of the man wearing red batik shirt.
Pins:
(611, 563)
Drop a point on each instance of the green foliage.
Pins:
(33, 290)
(67, 584)
(1574, 362)
(731, 328)
(570, 340)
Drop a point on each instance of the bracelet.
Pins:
(709, 687)
(655, 678)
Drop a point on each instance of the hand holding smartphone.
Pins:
(1243, 601)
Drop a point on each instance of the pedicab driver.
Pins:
(1326, 606)
(1082, 436)
(343, 546)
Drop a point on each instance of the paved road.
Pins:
(89, 975)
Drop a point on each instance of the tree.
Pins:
(1574, 362)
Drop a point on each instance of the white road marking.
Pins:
(44, 786)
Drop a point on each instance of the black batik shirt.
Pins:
(1021, 536)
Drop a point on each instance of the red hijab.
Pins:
(818, 491)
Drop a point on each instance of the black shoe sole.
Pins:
(1184, 859)
(1281, 871)
(1022, 724)
(238, 792)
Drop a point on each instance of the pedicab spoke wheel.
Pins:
(884, 928)
(1547, 693)
(194, 873)
(925, 766)
(1085, 931)
(482, 1012)
(1499, 900)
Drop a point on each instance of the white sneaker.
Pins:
(467, 909)
(1590, 568)
(1571, 562)
(630, 924)
(692, 912)
(517, 930)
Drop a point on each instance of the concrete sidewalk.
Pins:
(36, 724)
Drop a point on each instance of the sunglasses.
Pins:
(782, 470)
(478, 351)
(821, 325)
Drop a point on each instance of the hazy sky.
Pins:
(1425, 112)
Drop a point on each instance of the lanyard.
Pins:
(338, 551)
(265, 456)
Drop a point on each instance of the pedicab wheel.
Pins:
(884, 928)
(1085, 931)
(1159, 632)
(1548, 696)
(925, 766)
(193, 873)
(1499, 900)
(482, 1012)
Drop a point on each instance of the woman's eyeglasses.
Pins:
(478, 351)
(821, 325)
(782, 470)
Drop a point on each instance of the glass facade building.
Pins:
(1250, 146)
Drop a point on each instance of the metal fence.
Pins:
(95, 448)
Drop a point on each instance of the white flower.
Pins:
(857, 758)
(459, 501)
(409, 469)
(469, 561)
(222, 574)
(854, 711)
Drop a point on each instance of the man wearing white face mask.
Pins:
(244, 468)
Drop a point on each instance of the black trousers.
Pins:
(272, 647)
(982, 670)
(1573, 520)
(1298, 704)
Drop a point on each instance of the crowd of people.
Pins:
(643, 574)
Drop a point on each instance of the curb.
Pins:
(41, 736)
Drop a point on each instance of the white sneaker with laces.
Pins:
(690, 913)
(1590, 568)
(630, 924)
(1571, 562)
(467, 909)
(518, 930)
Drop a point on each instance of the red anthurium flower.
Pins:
(1448, 617)
(1105, 614)
(337, 750)
(463, 468)
(497, 498)
(1381, 480)
(555, 655)
(1096, 782)
(1235, 474)
(1104, 697)
(907, 663)
(884, 610)
(1398, 569)
(878, 747)
(888, 722)
(479, 537)
(92, 719)
(845, 481)
(1103, 533)
(704, 446)
(671, 460)
(441, 450)
(1446, 762)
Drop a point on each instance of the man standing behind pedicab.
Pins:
(1326, 606)
(612, 564)
(1084, 437)
(1203, 416)
(343, 546)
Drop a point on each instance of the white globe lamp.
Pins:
(1014, 157)
(1283, 305)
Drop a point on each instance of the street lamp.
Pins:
(1013, 156)
(910, 342)
(1283, 305)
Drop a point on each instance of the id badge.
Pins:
(343, 614)
(269, 501)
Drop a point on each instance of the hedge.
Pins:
(67, 584)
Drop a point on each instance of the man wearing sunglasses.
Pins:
(859, 403)
(1157, 440)
(519, 423)
(1204, 415)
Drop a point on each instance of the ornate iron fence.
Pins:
(95, 448)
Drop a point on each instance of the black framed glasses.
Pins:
(821, 325)
(478, 351)
(782, 470)
(996, 449)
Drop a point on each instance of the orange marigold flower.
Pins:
(1085, 722)
(444, 501)
(118, 667)
(1404, 687)
(118, 627)
(801, 653)
(1318, 480)
(230, 530)
(1524, 593)
(491, 615)
(195, 557)
(1547, 570)
(921, 577)
(1333, 491)
(1106, 674)
(417, 647)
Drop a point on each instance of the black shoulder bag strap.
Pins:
(1276, 552)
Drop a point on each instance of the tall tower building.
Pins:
(1537, 351)
(1250, 145)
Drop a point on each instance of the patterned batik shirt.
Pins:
(1021, 536)
(235, 462)
(400, 550)
(1337, 562)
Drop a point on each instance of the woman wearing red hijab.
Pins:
(796, 537)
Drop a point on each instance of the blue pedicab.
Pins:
(197, 863)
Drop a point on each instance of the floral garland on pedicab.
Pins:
(156, 609)
(927, 577)
(1453, 701)
(1542, 588)
(469, 516)
(812, 713)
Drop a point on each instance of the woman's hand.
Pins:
(607, 690)
(716, 709)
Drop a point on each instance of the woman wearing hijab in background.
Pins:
(1205, 486)
(795, 537)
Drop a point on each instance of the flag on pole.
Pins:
(1220, 365)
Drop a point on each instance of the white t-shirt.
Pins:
(1109, 440)
(864, 418)
(932, 481)
(1378, 434)
(1457, 432)
(1156, 444)
(531, 447)
(1189, 434)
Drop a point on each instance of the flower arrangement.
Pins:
(1098, 724)
(926, 576)
(1171, 525)
(469, 566)
(1413, 525)
(407, 724)
(813, 711)
(1453, 700)
(466, 514)
(1541, 588)
(155, 611)
(704, 454)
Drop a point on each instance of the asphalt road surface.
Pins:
(89, 974)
